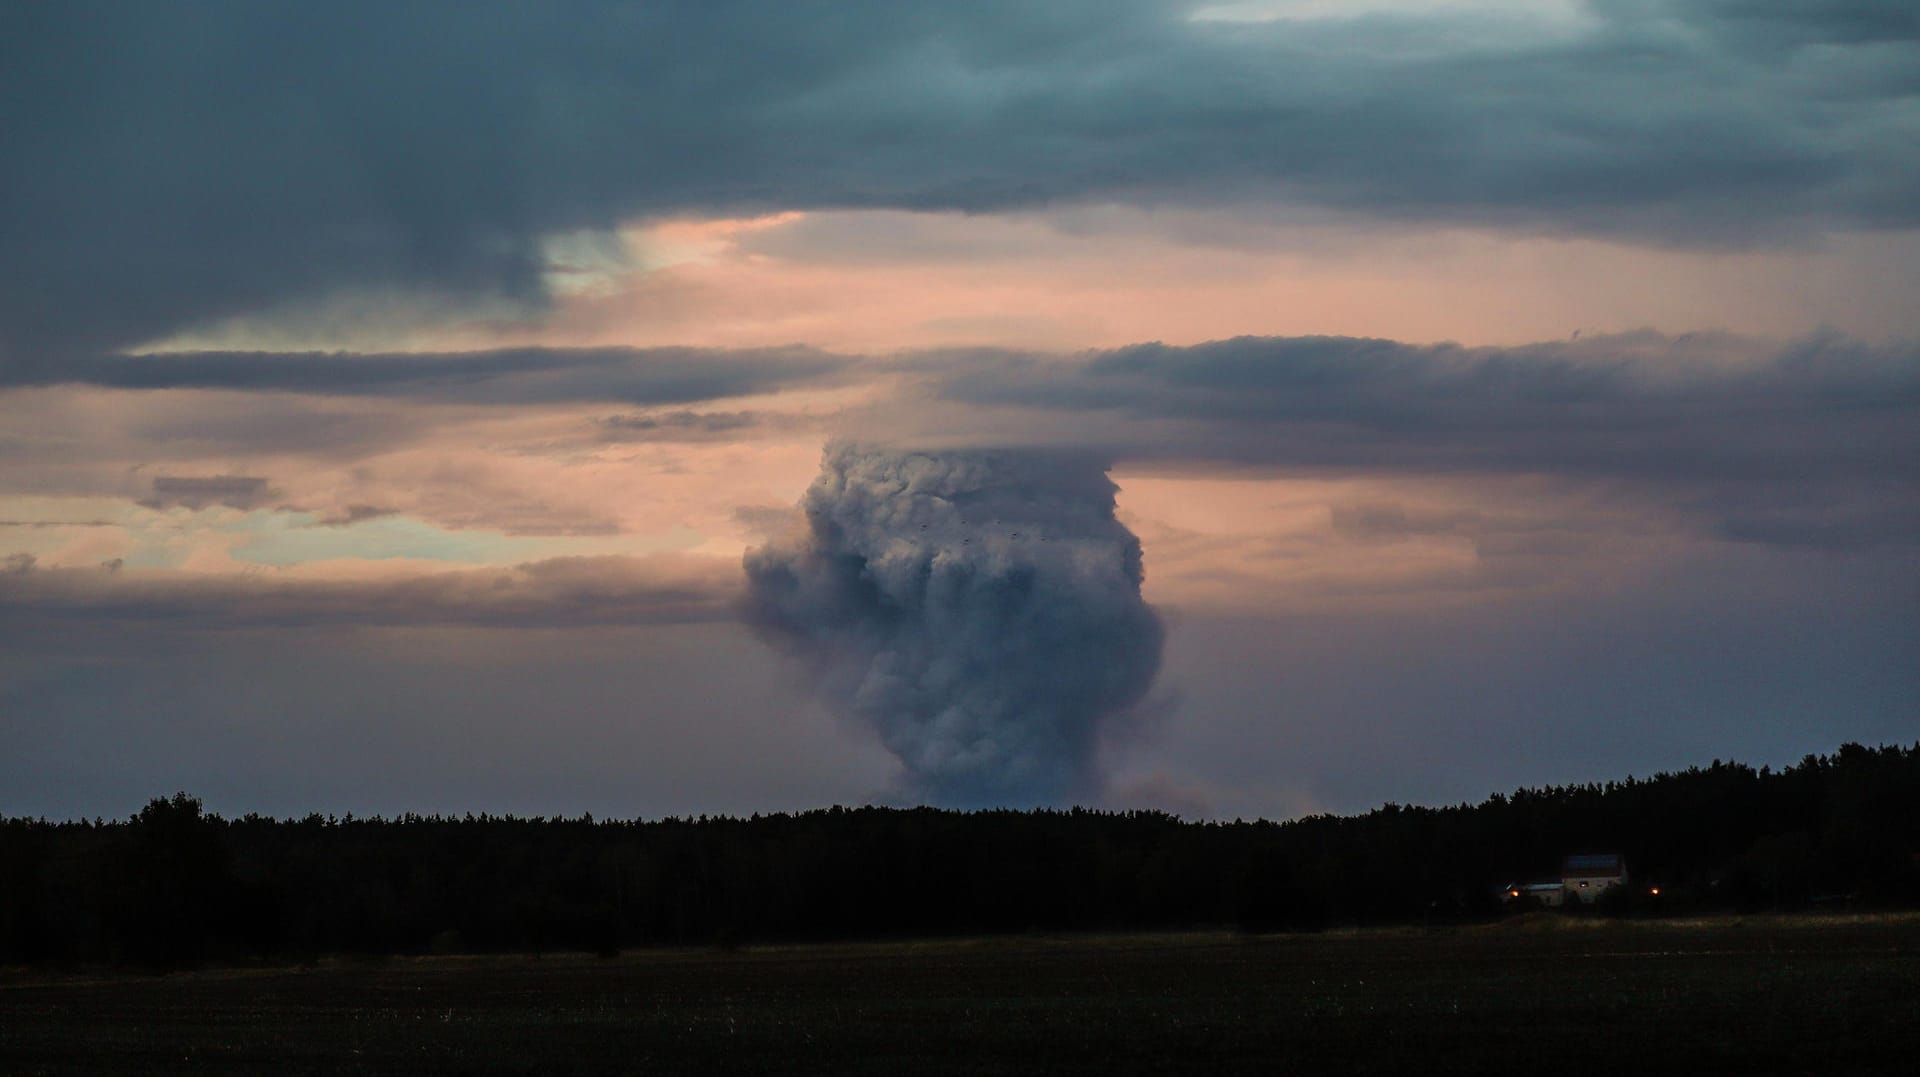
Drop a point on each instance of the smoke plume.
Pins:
(979, 610)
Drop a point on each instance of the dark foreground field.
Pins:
(1761, 995)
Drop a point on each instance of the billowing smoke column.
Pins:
(980, 610)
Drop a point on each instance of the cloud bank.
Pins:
(980, 611)
(1815, 442)
(142, 195)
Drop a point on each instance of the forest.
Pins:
(177, 886)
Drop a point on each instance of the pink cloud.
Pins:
(883, 281)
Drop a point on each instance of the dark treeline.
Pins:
(175, 885)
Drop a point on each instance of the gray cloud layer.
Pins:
(1698, 405)
(1811, 442)
(502, 376)
(1817, 442)
(169, 164)
(559, 592)
(233, 491)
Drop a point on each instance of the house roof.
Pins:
(1592, 864)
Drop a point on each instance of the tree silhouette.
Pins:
(175, 885)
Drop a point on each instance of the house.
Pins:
(1586, 876)
(1583, 878)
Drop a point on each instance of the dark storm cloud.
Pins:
(560, 592)
(503, 376)
(677, 425)
(1816, 442)
(980, 611)
(168, 164)
(1640, 404)
(233, 491)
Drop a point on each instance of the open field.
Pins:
(1838, 995)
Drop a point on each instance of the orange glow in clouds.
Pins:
(875, 282)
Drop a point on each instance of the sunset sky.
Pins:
(1501, 392)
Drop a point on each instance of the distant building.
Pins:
(1585, 876)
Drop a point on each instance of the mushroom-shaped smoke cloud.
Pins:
(980, 610)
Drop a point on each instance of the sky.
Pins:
(1255, 408)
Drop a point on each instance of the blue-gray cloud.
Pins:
(1815, 442)
(1696, 406)
(169, 164)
